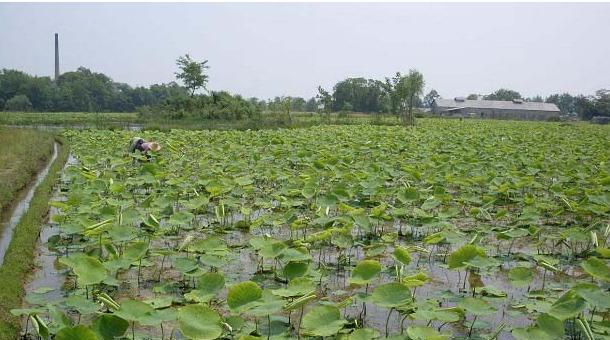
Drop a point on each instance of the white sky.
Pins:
(273, 49)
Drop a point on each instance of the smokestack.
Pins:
(56, 57)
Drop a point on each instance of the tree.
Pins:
(565, 102)
(503, 94)
(311, 105)
(430, 99)
(535, 99)
(20, 103)
(473, 96)
(326, 100)
(192, 73)
(362, 94)
(404, 92)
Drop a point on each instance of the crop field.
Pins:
(452, 229)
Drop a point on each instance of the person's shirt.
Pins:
(136, 144)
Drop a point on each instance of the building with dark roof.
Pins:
(496, 109)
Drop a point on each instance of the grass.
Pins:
(22, 152)
(19, 259)
(268, 120)
(105, 119)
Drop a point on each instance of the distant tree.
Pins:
(20, 103)
(535, 99)
(584, 106)
(602, 102)
(192, 73)
(363, 94)
(564, 101)
(408, 89)
(326, 100)
(473, 96)
(297, 104)
(503, 94)
(311, 105)
(430, 99)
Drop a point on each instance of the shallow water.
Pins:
(22, 206)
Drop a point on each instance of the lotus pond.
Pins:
(473, 229)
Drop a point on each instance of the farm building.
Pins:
(496, 109)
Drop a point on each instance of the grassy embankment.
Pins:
(19, 259)
(267, 120)
(22, 153)
(105, 119)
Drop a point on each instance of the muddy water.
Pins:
(49, 280)
(21, 208)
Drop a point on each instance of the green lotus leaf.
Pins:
(243, 295)
(199, 322)
(295, 269)
(520, 276)
(81, 304)
(297, 287)
(109, 326)
(365, 271)
(546, 328)
(594, 295)
(402, 255)
(135, 250)
(476, 306)
(596, 268)
(322, 321)
(458, 258)
(364, 334)
(567, 306)
(76, 333)
(89, 270)
(392, 294)
(425, 333)
(134, 310)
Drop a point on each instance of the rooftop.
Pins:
(496, 104)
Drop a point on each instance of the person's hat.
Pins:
(154, 146)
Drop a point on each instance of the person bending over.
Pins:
(140, 144)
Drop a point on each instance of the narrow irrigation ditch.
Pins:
(17, 259)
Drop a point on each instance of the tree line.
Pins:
(84, 90)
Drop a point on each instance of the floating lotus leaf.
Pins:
(109, 326)
(322, 321)
(594, 295)
(364, 334)
(89, 270)
(76, 333)
(297, 287)
(425, 333)
(134, 310)
(392, 294)
(243, 295)
(520, 276)
(567, 306)
(458, 258)
(365, 271)
(81, 304)
(402, 255)
(596, 268)
(546, 328)
(476, 306)
(295, 269)
(199, 322)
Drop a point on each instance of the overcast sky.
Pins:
(270, 49)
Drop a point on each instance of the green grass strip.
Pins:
(19, 259)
